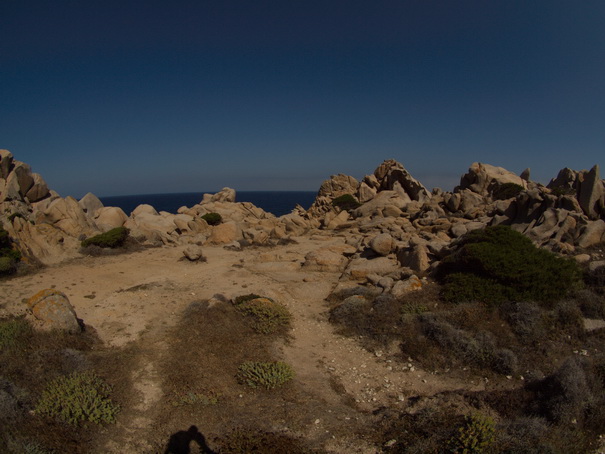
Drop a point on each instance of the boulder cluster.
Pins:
(397, 223)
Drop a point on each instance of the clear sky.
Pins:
(130, 97)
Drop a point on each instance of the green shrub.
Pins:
(111, 239)
(474, 437)
(507, 191)
(13, 333)
(78, 397)
(346, 202)
(267, 315)
(266, 375)
(212, 218)
(497, 263)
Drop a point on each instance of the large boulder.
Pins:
(361, 268)
(225, 233)
(382, 244)
(592, 194)
(90, 203)
(108, 218)
(53, 311)
(484, 178)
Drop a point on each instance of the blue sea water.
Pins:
(276, 202)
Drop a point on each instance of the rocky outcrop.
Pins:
(18, 183)
(330, 189)
(484, 178)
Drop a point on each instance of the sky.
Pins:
(122, 97)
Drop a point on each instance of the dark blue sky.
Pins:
(130, 97)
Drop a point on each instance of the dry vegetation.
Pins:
(543, 375)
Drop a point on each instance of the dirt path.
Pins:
(137, 297)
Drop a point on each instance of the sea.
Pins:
(275, 202)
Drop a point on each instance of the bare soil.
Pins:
(173, 342)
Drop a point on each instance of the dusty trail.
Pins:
(133, 299)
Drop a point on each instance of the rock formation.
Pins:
(397, 225)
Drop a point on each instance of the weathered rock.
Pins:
(365, 193)
(382, 244)
(90, 203)
(360, 268)
(391, 175)
(484, 178)
(415, 257)
(593, 233)
(403, 287)
(6, 163)
(39, 190)
(592, 193)
(225, 233)
(338, 220)
(54, 311)
(525, 175)
(224, 195)
(144, 209)
(194, 254)
(67, 215)
(325, 259)
(377, 205)
(108, 218)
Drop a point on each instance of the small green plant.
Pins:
(507, 191)
(111, 239)
(264, 374)
(475, 436)
(77, 398)
(13, 333)
(212, 218)
(497, 263)
(267, 315)
(346, 202)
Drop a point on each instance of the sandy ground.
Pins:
(135, 296)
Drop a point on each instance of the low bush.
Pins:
(507, 191)
(497, 264)
(475, 436)
(267, 316)
(111, 239)
(212, 218)
(346, 202)
(267, 375)
(77, 398)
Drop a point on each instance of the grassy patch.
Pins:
(267, 316)
(77, 398)
(266, 375)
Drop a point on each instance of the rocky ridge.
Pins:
(399, 228)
